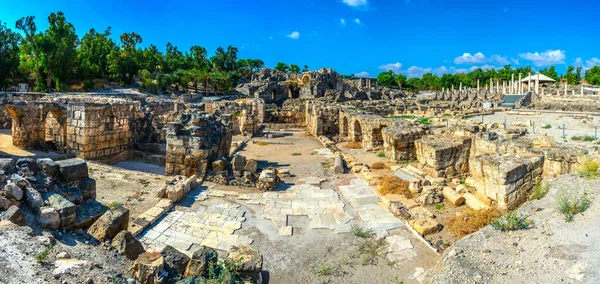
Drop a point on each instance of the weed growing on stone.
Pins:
(584, 138)
(424, 121)
(361, 232)
(113, 204)
(513, 221)
(381, 155)
(539, 191)
(589, 168)
(42, 256)
(571, 205)
(439, 207)
(394, 185)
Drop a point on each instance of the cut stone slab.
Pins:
(286, 231)
(110, 224)
(15, 215)
(148, 267)
(65, 208)
(49, 218)
(73, 169)
(88, 212)
(175, 260)
(425, 226)
(127, 245)
(313, 180)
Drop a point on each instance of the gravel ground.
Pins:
(553, 251)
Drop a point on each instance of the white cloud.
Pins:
(294, 35)
(485, 67)
(391, 66)
(415, 71)
(515, 61)
(588, 64)
(548, 57)
(441, 70)
(460, 70)
(467, 58)
(355, 3)
(362, 74)
(343, 22)
(357, 21)
(499, 59)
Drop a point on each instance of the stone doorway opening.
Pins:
(357, 135)
(55, 131)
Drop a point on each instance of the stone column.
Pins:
(566, 88)
(512, 83)
(498, 86)
(537, 83)
(477, 85)
(460, 87)
(582, 90)
(529, 83)
(520, 84)
(491, 85)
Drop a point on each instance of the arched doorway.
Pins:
(357, 132)
(345, 127)
(55, 134)
(377, 137)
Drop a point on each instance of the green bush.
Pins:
(42, 256)
(88, 85)
(512, 221)
(381, 155)
(571, 205)
(539, 191)
(547, 126)
(361, 232)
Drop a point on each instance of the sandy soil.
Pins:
(134, 189)
(7, 147)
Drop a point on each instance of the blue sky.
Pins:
(362, 37)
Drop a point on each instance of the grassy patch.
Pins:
(326, 269)
(361, 232)
(584, 138)
(571, 205)
(539, 191)
(379, 166)
(296, 154)
(370, 250)
(589, 168)
(327, 165)
(113, 204)
(404, 116)
(470, 221)
(381, 155)
(439, 207)
(424, 121)
(547, 126)
(513, 221)
(462, 181)
(394, 185)
(353, 145)
(42, 257)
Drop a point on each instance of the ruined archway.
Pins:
(357, 132)
(55, 134)
(377, 137)
(345, 127)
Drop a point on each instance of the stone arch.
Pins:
(357, 135)
(305, 79)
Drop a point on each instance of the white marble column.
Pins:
(529, 83)
(477, 85)
(537, 83)
(520, 84)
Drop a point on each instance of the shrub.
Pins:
(470, 221)
(439, 207)
(424, 121)
(370, 250)
(547, 126)
(394, 185)
(326, 269)
(585, 138)
(361, 232)
(296, 154)
(539, 191)
(381, 155)
(511, 222)
(573, 205)
(589, 167)
(353, 145)
(379, 166)
(88, 85)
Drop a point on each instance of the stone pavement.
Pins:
(399, 249)
(213, 224)
(375, 215)
(323, 207)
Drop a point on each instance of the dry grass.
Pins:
(260, 143)
(589, 168)
(470, 221)
(394, 185)
(353, 145)
(379, 166)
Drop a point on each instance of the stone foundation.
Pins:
(444, 156)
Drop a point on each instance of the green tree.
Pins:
(221, 81)
(551, 72)
(294, 69)
(9, 55)
(151, 59)
(573, 75)
(60, 43)
(282, 67)
(386, 79)
(199, 57)
(592, 75)
(32, 59)
(400, 80)
(93, 54)
(305, 68)
(225, 60)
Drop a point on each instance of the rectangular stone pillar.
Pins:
(477, 85)
(529, 82)
(520, 84)
(537, 83)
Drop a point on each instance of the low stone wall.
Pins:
(507, 179)
(444, 156)
(399, 143)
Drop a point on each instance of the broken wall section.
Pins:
(444, 155)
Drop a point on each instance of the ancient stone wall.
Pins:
(444, 155)
(322, 119)
(247, 114)
(195, 142)
(507, 179)
(399, 142)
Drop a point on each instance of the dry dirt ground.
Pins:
(552, 251)
(7, 147)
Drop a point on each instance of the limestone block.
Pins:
(420, 212)
(49, 218)
(87, 186)
(33, 199)
(148, 267)
(65, 208)
(73, 169)
(425, 226)
(430, 195)
(474, 203)
(251, 166)
(247, 261)
(200, 261)
(88, 212)
(238, 163)
(175, 260)
(14, 215)
(13, 191)
(454, 197)
(127, 245)
(461, 189)
(110, 224)
(7, 165)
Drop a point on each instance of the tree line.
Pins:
(430, 81)
(54, 58)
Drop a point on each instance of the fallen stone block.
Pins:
(87, 186)
(72, 169)
(474, 203)
(110, 224)
(7, 165)
(48, 166)
(251, 166)
(425, 226)
(430, 195)
(88, 212)
(14, 191)
(420, 212)
(33, 199)
(49, 218)
(199, 263)
(27, 164)
(65, 208)
(4, 203)
(126, 244)
(14, 215)
(148, 267)
(238, 163)
(175, 260)
(247, 261)
(461, 188)
(453, 196)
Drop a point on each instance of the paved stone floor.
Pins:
(399, 249)
(375, 215)
(323, 207)
(212, 224)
